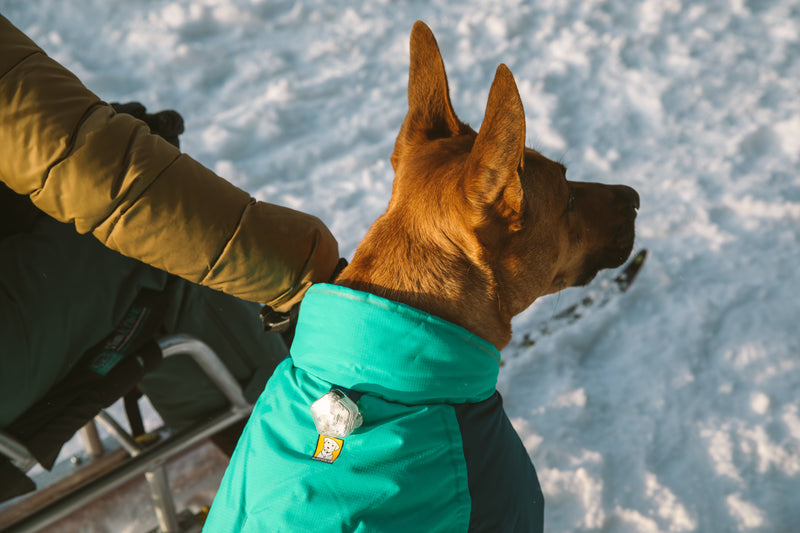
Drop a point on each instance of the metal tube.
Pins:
(205, 357)
(150, 458)
(162, 500)
(91, 440)
(119, 433)
(16, 451)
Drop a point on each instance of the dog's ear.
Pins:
(498, 153)
(430, 112)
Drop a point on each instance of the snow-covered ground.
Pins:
(675, 407)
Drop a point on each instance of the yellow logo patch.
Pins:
(328, 449)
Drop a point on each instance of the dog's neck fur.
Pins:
(438, 278)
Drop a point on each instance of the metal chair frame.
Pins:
(149, 461)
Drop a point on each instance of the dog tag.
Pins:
(335, 415)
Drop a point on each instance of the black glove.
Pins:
(168, 124)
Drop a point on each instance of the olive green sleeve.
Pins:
(82, 163)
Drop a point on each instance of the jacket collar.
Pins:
(376, 346)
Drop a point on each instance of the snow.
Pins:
(675, 407)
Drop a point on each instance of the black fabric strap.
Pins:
(104, 374)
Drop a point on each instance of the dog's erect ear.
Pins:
(498, 153)
(430, 112)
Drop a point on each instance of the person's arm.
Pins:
(82, 163)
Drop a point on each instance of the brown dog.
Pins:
(478, 225)
(385, 417)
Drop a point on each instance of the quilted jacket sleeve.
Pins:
(82, 163)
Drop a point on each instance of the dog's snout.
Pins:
(634, 199)
(629, 196)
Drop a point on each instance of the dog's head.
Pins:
(478, 225)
